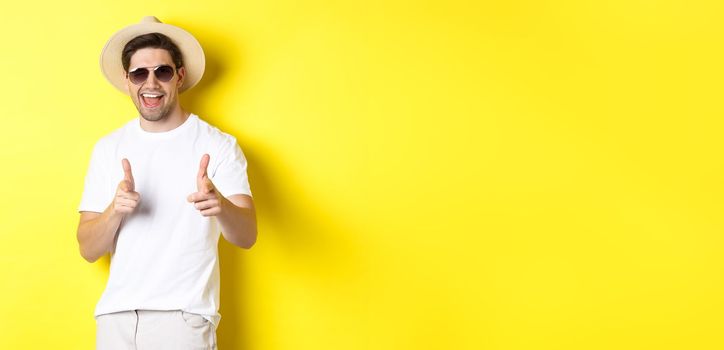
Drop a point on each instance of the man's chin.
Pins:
(152, 116)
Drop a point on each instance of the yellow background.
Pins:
(428, 175)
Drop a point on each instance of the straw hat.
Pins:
(193, 55)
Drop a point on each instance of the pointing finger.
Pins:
(204, 166)
(127, 175)
(203, 174)
(127, 169)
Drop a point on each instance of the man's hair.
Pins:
(155, 41)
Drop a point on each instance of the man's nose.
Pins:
(152, 81)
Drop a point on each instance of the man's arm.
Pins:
(97, 231)
(236, 214)
(238, 220)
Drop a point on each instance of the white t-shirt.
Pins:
(166, 255)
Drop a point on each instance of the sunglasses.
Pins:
(163, 73)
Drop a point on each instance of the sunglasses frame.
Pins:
(148, 70)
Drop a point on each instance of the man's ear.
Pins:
(181, 77)
(128, 83)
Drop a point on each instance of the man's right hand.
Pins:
(126, 199)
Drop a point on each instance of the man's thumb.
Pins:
(126, 186)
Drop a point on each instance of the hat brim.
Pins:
(193, 55)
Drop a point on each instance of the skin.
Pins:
(97, 232)
(169, 115)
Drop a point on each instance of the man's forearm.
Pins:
(96, 236)
(238, 224)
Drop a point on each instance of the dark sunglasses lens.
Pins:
(164, 73)
(138, 76)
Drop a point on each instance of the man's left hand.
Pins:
(207, 200)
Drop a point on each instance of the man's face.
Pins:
(153, 98)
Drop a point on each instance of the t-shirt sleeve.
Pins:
(97, 191)
(230, 174)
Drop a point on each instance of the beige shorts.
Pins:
(157, 330)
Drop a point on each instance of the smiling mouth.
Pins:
(151, 99)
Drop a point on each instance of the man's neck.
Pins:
(172, 121)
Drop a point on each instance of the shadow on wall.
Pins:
(217, 59)
(306, 238)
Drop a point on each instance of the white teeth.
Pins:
(151, 95)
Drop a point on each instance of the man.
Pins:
(157, 192)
